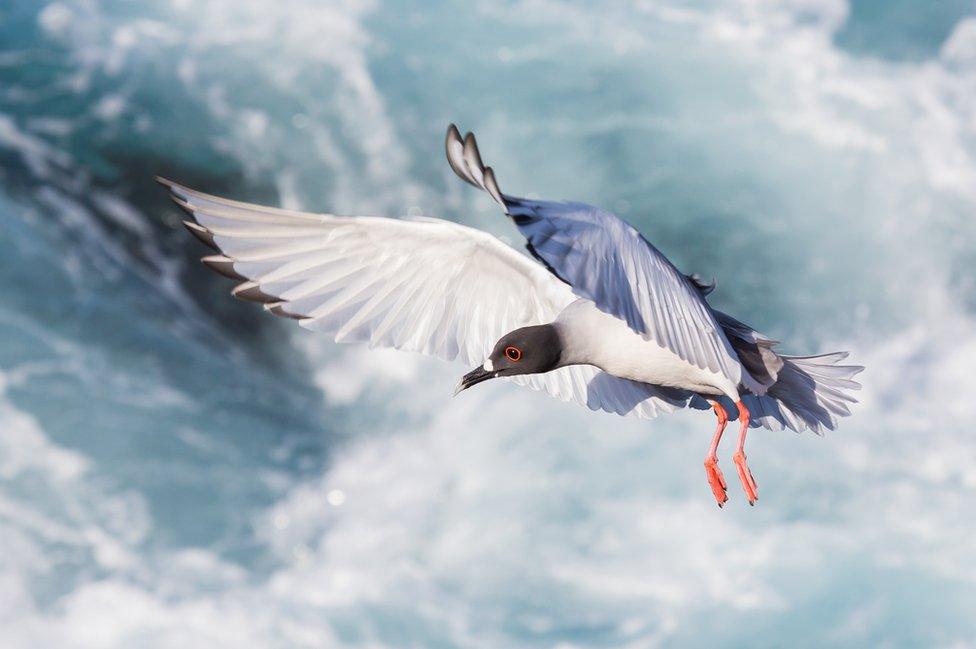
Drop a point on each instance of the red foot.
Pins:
(745, 477)
(716, 480)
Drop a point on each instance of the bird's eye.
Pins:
(513, 354)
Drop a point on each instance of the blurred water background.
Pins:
(178, 469)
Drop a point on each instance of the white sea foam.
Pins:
(24, 446)
(345, 379)
(500, 518)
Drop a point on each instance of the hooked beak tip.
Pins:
(474, 377)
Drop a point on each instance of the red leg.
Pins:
(745, 475)
(715, 478)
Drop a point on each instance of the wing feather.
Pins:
(607, 261)
(422, 285)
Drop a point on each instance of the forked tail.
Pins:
(797, 392)
(809, 392)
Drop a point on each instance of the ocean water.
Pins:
(178, 469)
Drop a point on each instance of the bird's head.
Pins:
(529, 350)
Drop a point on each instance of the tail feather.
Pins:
(810, 392)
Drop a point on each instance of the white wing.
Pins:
(423, 285)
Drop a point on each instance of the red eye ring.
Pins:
(513, 354)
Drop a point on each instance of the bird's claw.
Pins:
(745, 477)
(716, 481)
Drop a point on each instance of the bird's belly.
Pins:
(647, 362)
(616, 349)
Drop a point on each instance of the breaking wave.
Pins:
(176, 470)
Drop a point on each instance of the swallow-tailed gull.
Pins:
(600, 316)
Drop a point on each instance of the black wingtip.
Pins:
(252, 292)
(471, 149)
(183, 205)
(491, 185)
(222, 265)
(456, 158)
(276, 309)
(202, 234)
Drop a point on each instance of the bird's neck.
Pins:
(578, 330)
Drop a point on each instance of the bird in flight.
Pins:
(599, 317)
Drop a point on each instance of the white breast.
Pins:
(593, 337)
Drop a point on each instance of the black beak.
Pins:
(474, 377)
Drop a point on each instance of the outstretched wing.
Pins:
(606, 260)
(423, 285)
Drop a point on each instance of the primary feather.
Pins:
(423, 285)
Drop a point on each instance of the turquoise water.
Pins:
(177, 469)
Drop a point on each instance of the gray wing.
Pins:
(755, 351)
(606, 260)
